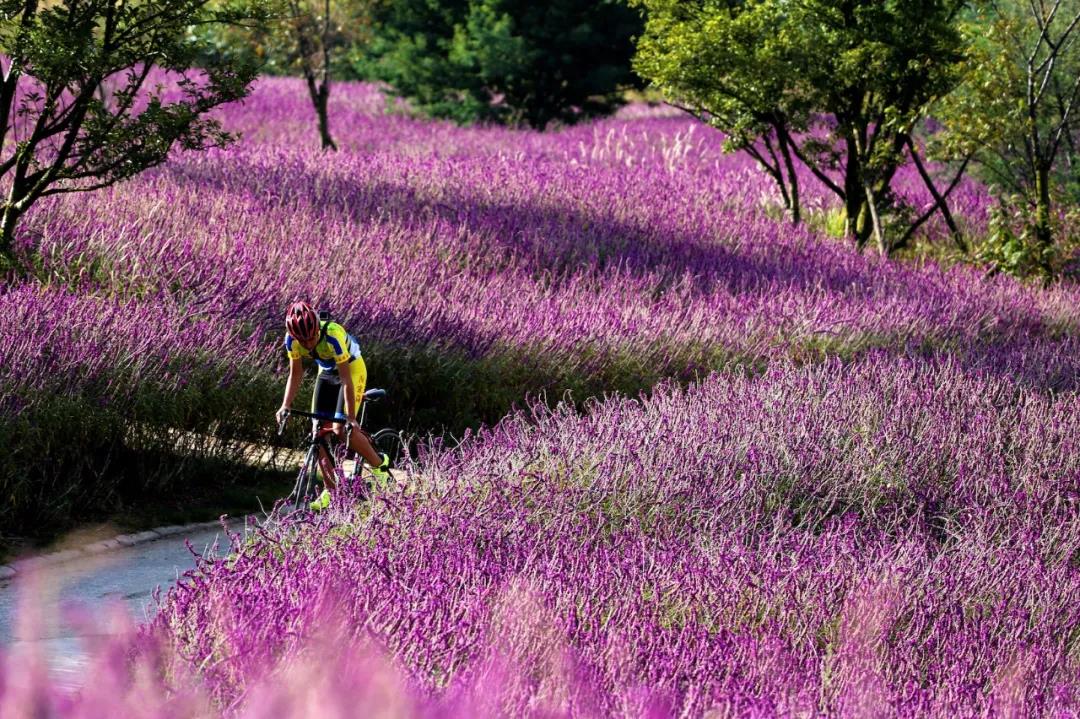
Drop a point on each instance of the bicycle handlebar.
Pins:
(372, 395)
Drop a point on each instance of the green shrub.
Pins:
(505, 61)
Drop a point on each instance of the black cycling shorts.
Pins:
(329, 395)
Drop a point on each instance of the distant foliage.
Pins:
(507, 61)
(1011, 243)
(1017, 113)
(79, 105)
(836, 86)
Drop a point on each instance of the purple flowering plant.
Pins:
(850, 488)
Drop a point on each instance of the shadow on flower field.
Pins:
(550, 240)
(788, 479)
(890, 536)
(768, 289)
(476, 283)
(579, 226)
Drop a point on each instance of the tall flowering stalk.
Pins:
(893, 535)
(872, 506)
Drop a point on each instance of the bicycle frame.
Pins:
(320, 453)
(319, 457)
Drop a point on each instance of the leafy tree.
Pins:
(311, 38)
(729, 67)
(839, 84)
(1017, 111)
(76, 110)
(507, 61)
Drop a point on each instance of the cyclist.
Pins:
(337, 393)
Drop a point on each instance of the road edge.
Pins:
(12, 570)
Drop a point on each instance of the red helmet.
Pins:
(302, 322)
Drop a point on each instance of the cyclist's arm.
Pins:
(350, 390)
(292, 385)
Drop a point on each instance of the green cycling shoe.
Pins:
(322, 502)
(382, 472)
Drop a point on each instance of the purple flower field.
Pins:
(628, 243)
(851, 486)
(891, 535)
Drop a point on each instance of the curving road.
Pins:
(123, 577)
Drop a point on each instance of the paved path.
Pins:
(128, 576)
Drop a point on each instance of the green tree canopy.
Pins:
(507, 61)
(838, 84)
(80, 104)
(1017, 110)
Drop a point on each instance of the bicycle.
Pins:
(333, 453)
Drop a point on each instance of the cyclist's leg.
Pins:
(324, 400)
(359, 442)
(326, 467)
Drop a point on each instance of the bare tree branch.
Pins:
(939, 201)
(812, 166)
(1044, 28)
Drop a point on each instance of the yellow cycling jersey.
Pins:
(335, 347)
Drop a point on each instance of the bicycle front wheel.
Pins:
(304, 490)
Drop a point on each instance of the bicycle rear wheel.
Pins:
(388, 441)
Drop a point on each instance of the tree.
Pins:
(315, 35)
(509, 61)
(840, 85)
(311, 30)
(311, 38)
(727, 68)
(1017, 110)
(77, 109)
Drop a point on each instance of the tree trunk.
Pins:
(875, 220)
(1042, 206)
(857, 222)
(319, 92)
(852, 205)
(773, 167)
(1044, 234)
(321, 107)
(9, 220)
(785, 151)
